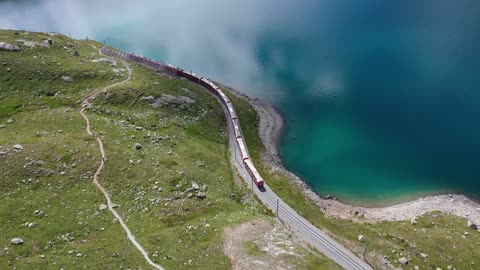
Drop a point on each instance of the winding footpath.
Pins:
(86, 105)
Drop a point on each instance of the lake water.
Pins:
(381, 98)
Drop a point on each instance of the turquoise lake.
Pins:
(381, 98)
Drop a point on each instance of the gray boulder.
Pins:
(403, 260)
(201, 195)
(17, 241)
(472, 225)
(67, 79)
(9, 47)
(195, 186)
(18, 147)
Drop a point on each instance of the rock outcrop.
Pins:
(9, 47)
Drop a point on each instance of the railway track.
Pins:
(303, 228)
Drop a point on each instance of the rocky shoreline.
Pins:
(271, 124)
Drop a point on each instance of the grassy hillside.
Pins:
(445, 239)
(48, 198)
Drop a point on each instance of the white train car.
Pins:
(243, 150)
(257, 178)
(236, 127)
(231, 111)
(224, 97)
(205, 81)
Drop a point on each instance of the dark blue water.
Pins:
(381, 98)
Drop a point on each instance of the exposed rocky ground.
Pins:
(265, 244)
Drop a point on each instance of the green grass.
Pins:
(57, 179)
(181, 145)
(443, 241)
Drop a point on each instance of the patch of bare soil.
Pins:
(261, 244)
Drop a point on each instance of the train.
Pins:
(233, 118)
(210, 86)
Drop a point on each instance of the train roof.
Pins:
(254, 170)
(232, 111)
(241, 144)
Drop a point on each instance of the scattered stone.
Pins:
(195, 186)
(168, 100)
(423, 255)
(403, 260)
(414, 220)
(67, 79)
(9, 121)
(79, 255)
(106, 60)
(118, 71)
(138, 146)
(361, 238)
(76, 53)
(102, 207)
(201, 195)
(17, 241)
(32, 44)
(416, 267)
(9, 69)
(450, 267)
(2, 126)
(42, 256)
(472, 225)
(18, 147)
